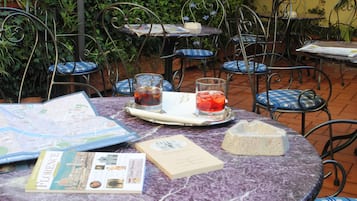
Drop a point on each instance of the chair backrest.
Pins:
(28, 47)
(254, 36)
(129, 50)
(279, 22)
(250, 35)
(207, 12)
(343, 132)
(342, 29)
(67, 44)
(70, 54)
(210, 13)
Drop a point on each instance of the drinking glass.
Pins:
(148, 91)
(210, 96)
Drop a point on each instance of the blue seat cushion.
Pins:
(239, 66)
(246, 39)
(288, 99)
(195, 53)
(79, 67)
(336, 199)
(123, 87)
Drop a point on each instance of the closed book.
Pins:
(177, 156)
(87, 172)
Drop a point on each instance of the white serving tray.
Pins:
(179, 108)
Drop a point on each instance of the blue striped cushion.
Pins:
(79, 67)
(195, 53)
(247, 39)
(239, 66)
(122, 87)
(336, 199)
(288, 99)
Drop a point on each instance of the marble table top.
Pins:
(295, 176)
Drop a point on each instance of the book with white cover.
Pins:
(178, 156)
(87, 172)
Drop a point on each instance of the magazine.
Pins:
(87, 172)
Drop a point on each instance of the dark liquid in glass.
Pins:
(147, 96)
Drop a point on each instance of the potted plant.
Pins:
(346, 29)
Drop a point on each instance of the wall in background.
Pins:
(302, 6)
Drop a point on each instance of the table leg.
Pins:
(168, 56)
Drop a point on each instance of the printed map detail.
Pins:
(63, 123)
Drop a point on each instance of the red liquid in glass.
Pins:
(210, 101)
(147, 96)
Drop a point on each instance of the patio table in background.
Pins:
(336, 50)
(171, 39)
(297, 175)
(339, 51)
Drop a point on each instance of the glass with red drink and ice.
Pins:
(210, 96)
(148, 91)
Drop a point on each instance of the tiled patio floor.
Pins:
(343, 105)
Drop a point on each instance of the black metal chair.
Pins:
(339, 29)
(342, 133)
(283, 91)
(28, 47)
(288, 91)
(244, 52)
(137, 37)
(75, 68)
(203, 49)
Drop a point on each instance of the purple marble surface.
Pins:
(295, 176)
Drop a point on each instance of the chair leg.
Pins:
(303, 116)
(103, 81)
(341, 74)
(179, 74)
(330, 132)
(227, 84)
(204, 66)
(337, 167)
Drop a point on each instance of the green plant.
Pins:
(6, 58)
(17, 41)
(345, 29)
(317, 10)
(65, 13)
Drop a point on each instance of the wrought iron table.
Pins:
(295, 176)
(171, 39)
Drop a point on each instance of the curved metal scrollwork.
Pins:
(22, 31)
(331, 147)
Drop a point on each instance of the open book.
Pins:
(177, 156)
(64, 123)
(87, 172)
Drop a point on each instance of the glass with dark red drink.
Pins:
(210, 96)
(148, 91)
